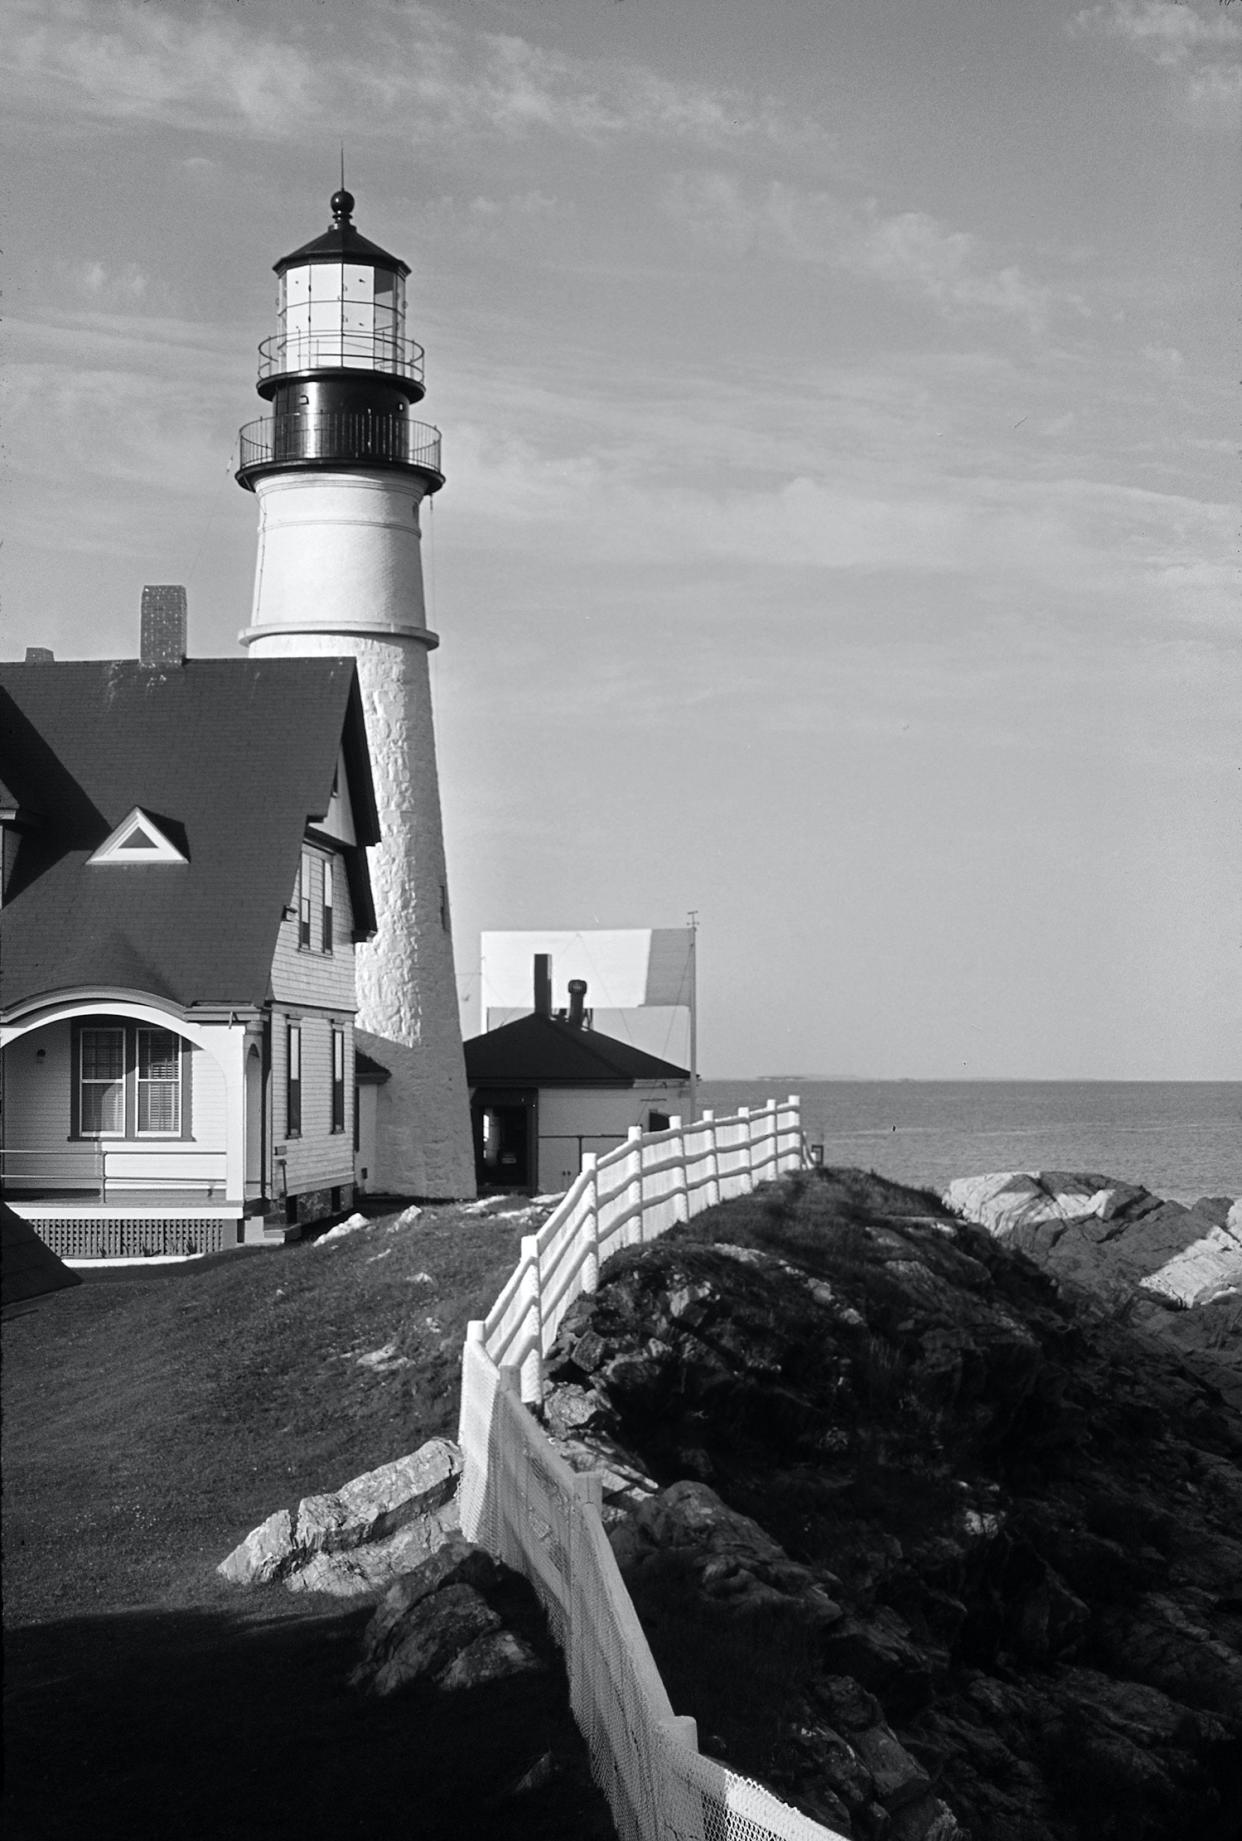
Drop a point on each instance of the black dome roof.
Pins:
(341, 240)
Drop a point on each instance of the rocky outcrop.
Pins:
(685, 1556)
(440, 1626)
(360, 1537)
(1172, 1269)
(1105, 1233)
(936, 1550)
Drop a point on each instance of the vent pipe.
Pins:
(577, 1003)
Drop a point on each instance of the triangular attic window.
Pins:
(138, 839)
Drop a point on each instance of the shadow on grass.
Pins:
(221, 1723)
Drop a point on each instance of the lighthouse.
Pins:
(341, 469)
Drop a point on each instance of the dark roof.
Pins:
(28, 1268)
(544, 1051)
(368, 1070)
(233, 756)
(340, 241)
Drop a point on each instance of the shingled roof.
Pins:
(232, 757)
(545, 1051)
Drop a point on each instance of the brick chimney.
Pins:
(40, 655)
(543, 984)
(163, 625)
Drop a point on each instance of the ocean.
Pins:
(1180, 1139)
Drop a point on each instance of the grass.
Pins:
(152, 1417)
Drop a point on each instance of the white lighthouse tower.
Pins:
(340, 470)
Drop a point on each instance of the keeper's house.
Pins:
(184, 882)
(546, 1088)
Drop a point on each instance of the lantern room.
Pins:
(340, 308)
(339, 372)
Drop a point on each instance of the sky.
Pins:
(841, 537)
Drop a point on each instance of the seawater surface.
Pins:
(1180, 1139)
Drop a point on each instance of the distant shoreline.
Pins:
(968, 1080)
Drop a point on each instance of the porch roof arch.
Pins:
(137, 1006)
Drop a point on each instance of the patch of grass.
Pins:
(151, 1419)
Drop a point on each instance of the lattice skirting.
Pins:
(135, 1237)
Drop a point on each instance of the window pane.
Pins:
(101, 1088)
(103, 1054)
(103, 1107)
(159, 1054)
(157, 1106)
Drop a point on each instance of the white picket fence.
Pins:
(523, 1502)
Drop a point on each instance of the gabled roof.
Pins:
(234, 757)
(544, 1051)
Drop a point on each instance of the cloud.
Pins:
(412, 71)
(152, 63)
(910, 251)
(1164, 31)
(1201, 51)
(103, 286)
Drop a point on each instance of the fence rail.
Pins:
(521, 1500)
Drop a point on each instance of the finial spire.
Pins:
(342, 202)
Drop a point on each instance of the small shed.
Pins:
(548, 1087)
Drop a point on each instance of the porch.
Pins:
(128, 1134)
(133, 1225)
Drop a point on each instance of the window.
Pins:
(293, 1082)
(328, 892)
(338, 1079)
(159, 1082)
(130, 1081)
(101, 1093)
(304, 900)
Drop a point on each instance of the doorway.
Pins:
(504, 1138)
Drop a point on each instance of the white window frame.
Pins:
(327, 935)
(85, 1081)
(293, 1076)
(148, 1081)
(305, 904)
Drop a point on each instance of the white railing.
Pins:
(521, 1500)
(126, 1166)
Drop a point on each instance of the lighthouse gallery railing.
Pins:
(350, 436)
(521, 1500)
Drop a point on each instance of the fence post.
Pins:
(797, 1154)
(713, 1158)
(683, 1799)
(771, 1141)
(681, 1181)
(532, 1361)
(634, 1183)
(590, 1265)
(743, 1113)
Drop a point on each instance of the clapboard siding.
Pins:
(36, 1103)
(38, 1146)
(319, 1158)
(307, 975)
